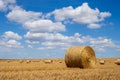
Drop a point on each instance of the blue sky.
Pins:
(46, 28)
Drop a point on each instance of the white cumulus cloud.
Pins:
(101, 43)
(93, 26)
(11, 35)
(6, 4)
(33, 21)
(82, 14)
(20, 15)
(44, 26)
(57, 40)
(53, 37)
(11, 44)
(10, 40)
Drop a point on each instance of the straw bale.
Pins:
(117, 62)
(48, 61)
(102, 62)
(80, 56)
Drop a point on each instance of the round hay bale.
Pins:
(48, 61)
(117, 62)
(80, 56)
(28, 61)
(8, 61)
(60, 61)
(21, 61)
(102, 62)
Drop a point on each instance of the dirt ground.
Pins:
(37, 69)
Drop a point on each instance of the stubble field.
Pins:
(56, 70)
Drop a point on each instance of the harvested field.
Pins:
(57, 70)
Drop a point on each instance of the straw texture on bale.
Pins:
(80, 56)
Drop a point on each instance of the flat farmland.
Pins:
(38, 69)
